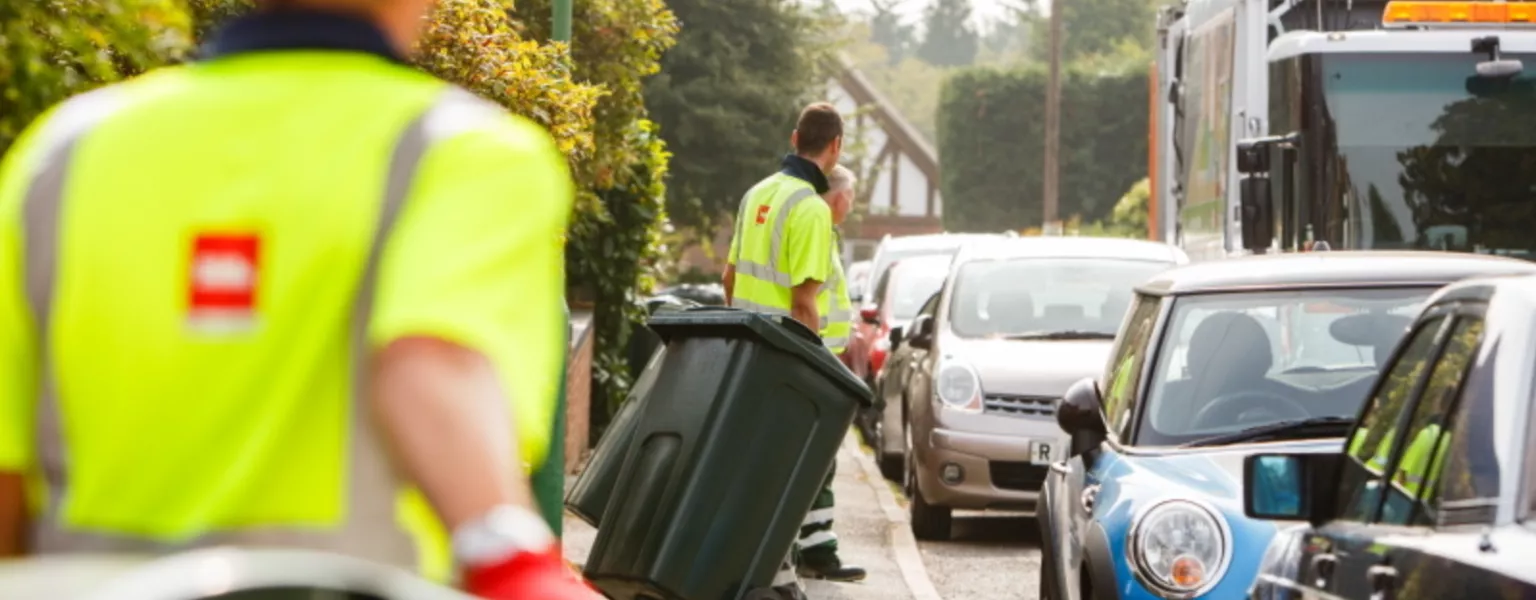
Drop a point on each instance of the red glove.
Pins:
(529, 576)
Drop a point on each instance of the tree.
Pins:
(615, 249)
(1098, 26)
(887, 30)
(948, 38)
(52, 49)
(1008, 39)
(727, 97)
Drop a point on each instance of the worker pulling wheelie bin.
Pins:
(726, 454)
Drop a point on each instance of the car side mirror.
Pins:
(895, 337)
(1290, 487)
(1080, 414)
(870, 314)
(922, 333)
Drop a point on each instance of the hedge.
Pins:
(615, 247)
(52, 49)
(991, 126)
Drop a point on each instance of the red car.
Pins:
(896, 298)
(867, 348)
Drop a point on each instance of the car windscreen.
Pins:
(1233, 361)
(1042, 297)
(1447, 166)
(911, 287)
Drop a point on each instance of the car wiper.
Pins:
(1290, 427)
(1061, 335)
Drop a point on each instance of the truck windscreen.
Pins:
(1431, 156)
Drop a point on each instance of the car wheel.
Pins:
(890, 464)
(929, 522)
(1089, 593)
(1047, 568)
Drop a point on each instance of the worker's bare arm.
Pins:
(729, 281)
(445, 417)
(468, 327)
(13, 515)
(802, 304)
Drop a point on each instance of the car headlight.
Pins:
(959, 387)
(1179, 548)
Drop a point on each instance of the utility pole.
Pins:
(561, 31)
(548, 480)
(1051, 220)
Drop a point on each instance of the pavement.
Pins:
(872, 533)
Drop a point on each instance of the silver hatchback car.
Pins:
(1015, 324)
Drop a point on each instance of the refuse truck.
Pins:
(1307, 125)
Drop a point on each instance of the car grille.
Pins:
(1019, 406)
(1020, 476)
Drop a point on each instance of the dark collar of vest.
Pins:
(800, 168)
(299, 29)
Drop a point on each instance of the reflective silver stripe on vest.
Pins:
(771, 272)
(369, 530)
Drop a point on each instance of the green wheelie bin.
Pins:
(730, 446)
(589, 495)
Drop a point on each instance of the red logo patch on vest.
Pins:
(762, 214)
(223, 280)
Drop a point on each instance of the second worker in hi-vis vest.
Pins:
(783, 260)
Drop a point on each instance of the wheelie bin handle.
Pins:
(788, 322)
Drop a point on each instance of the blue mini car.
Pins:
(1216, 362)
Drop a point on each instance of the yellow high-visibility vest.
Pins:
(784, 237)
(196, 265)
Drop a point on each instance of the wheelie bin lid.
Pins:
(780, 332)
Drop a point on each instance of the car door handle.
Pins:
(1383, 580)
(1322, 566)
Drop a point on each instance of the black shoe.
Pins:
(831, 570)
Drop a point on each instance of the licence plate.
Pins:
(1044, 453)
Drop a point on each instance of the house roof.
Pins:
(902, 133)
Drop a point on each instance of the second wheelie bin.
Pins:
(730, 448)
(589, 495)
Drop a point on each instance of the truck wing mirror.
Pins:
(1257, 208)
(1257, 213)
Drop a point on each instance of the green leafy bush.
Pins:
(991, 140)
(52, 49)
(477, 45)
(208, 15)
(615, 244)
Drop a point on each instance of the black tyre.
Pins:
(1048, 576)
(929, 522)
(890, 466)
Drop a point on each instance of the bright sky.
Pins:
(912, 10)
